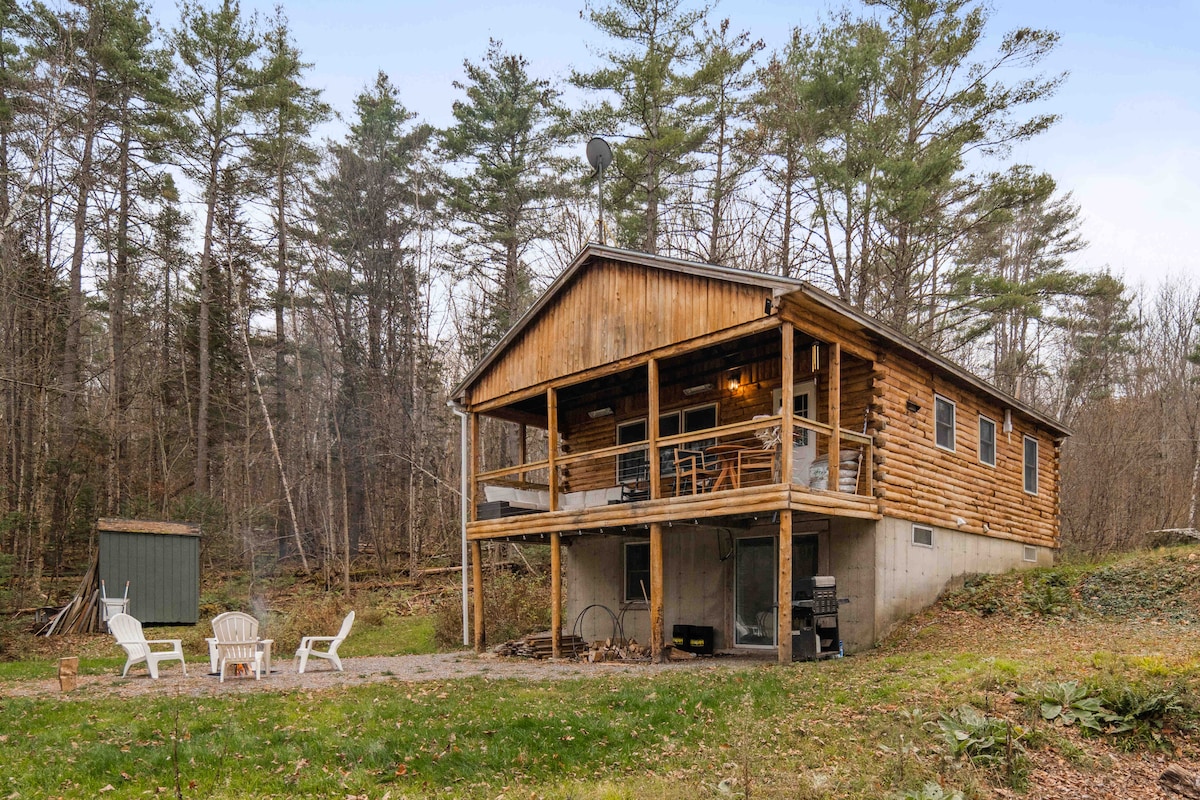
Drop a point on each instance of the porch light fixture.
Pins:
(913, 406)
(597, 413)
(1007, 420)
(703, 387)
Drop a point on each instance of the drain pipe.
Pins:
(462, 415)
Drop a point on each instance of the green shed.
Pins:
(161, 562)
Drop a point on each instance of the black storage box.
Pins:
(701, 640)
(681, 637)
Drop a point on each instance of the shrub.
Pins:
(930, 791)
(514, 605)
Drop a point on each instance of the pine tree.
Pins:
(650, 71)
(506, 136)
(215, 50)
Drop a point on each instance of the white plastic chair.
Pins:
(308, 644)
(129, 635)
(237, 642)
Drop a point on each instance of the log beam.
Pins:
(556, 594)
(784, 615)
(656, 592)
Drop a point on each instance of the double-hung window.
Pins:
(943, 422)
(1031, 465)
(637, 572)
(987, 441)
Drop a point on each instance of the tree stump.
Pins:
(68, 672)
(1180, 781)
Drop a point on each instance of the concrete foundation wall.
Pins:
(695, 581)
(879, 570)
(909, 577)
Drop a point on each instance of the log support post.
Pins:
(784, 617)
(656, 592)
(556, 594)
(477, 581)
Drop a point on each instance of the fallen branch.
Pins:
(1181, 782)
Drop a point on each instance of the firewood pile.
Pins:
(615, 650)
(82, 614)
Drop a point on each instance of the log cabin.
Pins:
(695, 443)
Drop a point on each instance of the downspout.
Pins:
(462, 494)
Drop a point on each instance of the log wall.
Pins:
(921, 482)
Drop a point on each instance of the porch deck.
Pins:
(747, 500)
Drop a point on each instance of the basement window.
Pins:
(637, 572)
(1030, 553)
(922, 536)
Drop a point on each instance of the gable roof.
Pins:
(778, 286)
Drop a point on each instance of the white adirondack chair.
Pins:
(129, 635)
(308, 646)
(237, 642)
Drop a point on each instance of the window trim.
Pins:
(1037, 452)
(625, 547)
(917, 527)
(982, 419)
(953, 423)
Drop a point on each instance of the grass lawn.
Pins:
(870, 726)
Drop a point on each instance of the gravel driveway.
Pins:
(358, 671)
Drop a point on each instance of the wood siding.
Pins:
(612, 311)
(922, 482)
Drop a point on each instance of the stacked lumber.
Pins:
(82, 614)
(540, 645)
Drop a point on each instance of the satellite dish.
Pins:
(599, 154)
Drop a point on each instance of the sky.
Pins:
(1127, 147)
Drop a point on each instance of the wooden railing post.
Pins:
(835, 416)
(552, 445)
(655, 463)
(787, 424)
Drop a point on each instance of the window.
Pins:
(637, 571)
(987, 441)
(943, 422)
(922, 536)
(1030, 553)
(1031, 465)
(632, 467)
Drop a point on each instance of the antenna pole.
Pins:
(600, 202)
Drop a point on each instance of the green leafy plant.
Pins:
(1069, 703)
(979, 738)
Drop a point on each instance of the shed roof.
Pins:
(778, 286)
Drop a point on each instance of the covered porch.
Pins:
(692, 434)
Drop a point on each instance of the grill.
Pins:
(815, 619)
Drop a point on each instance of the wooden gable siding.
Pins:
(924, 483)
(610, 311)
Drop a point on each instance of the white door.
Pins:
(805, 447)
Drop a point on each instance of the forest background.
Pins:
(210, 313)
